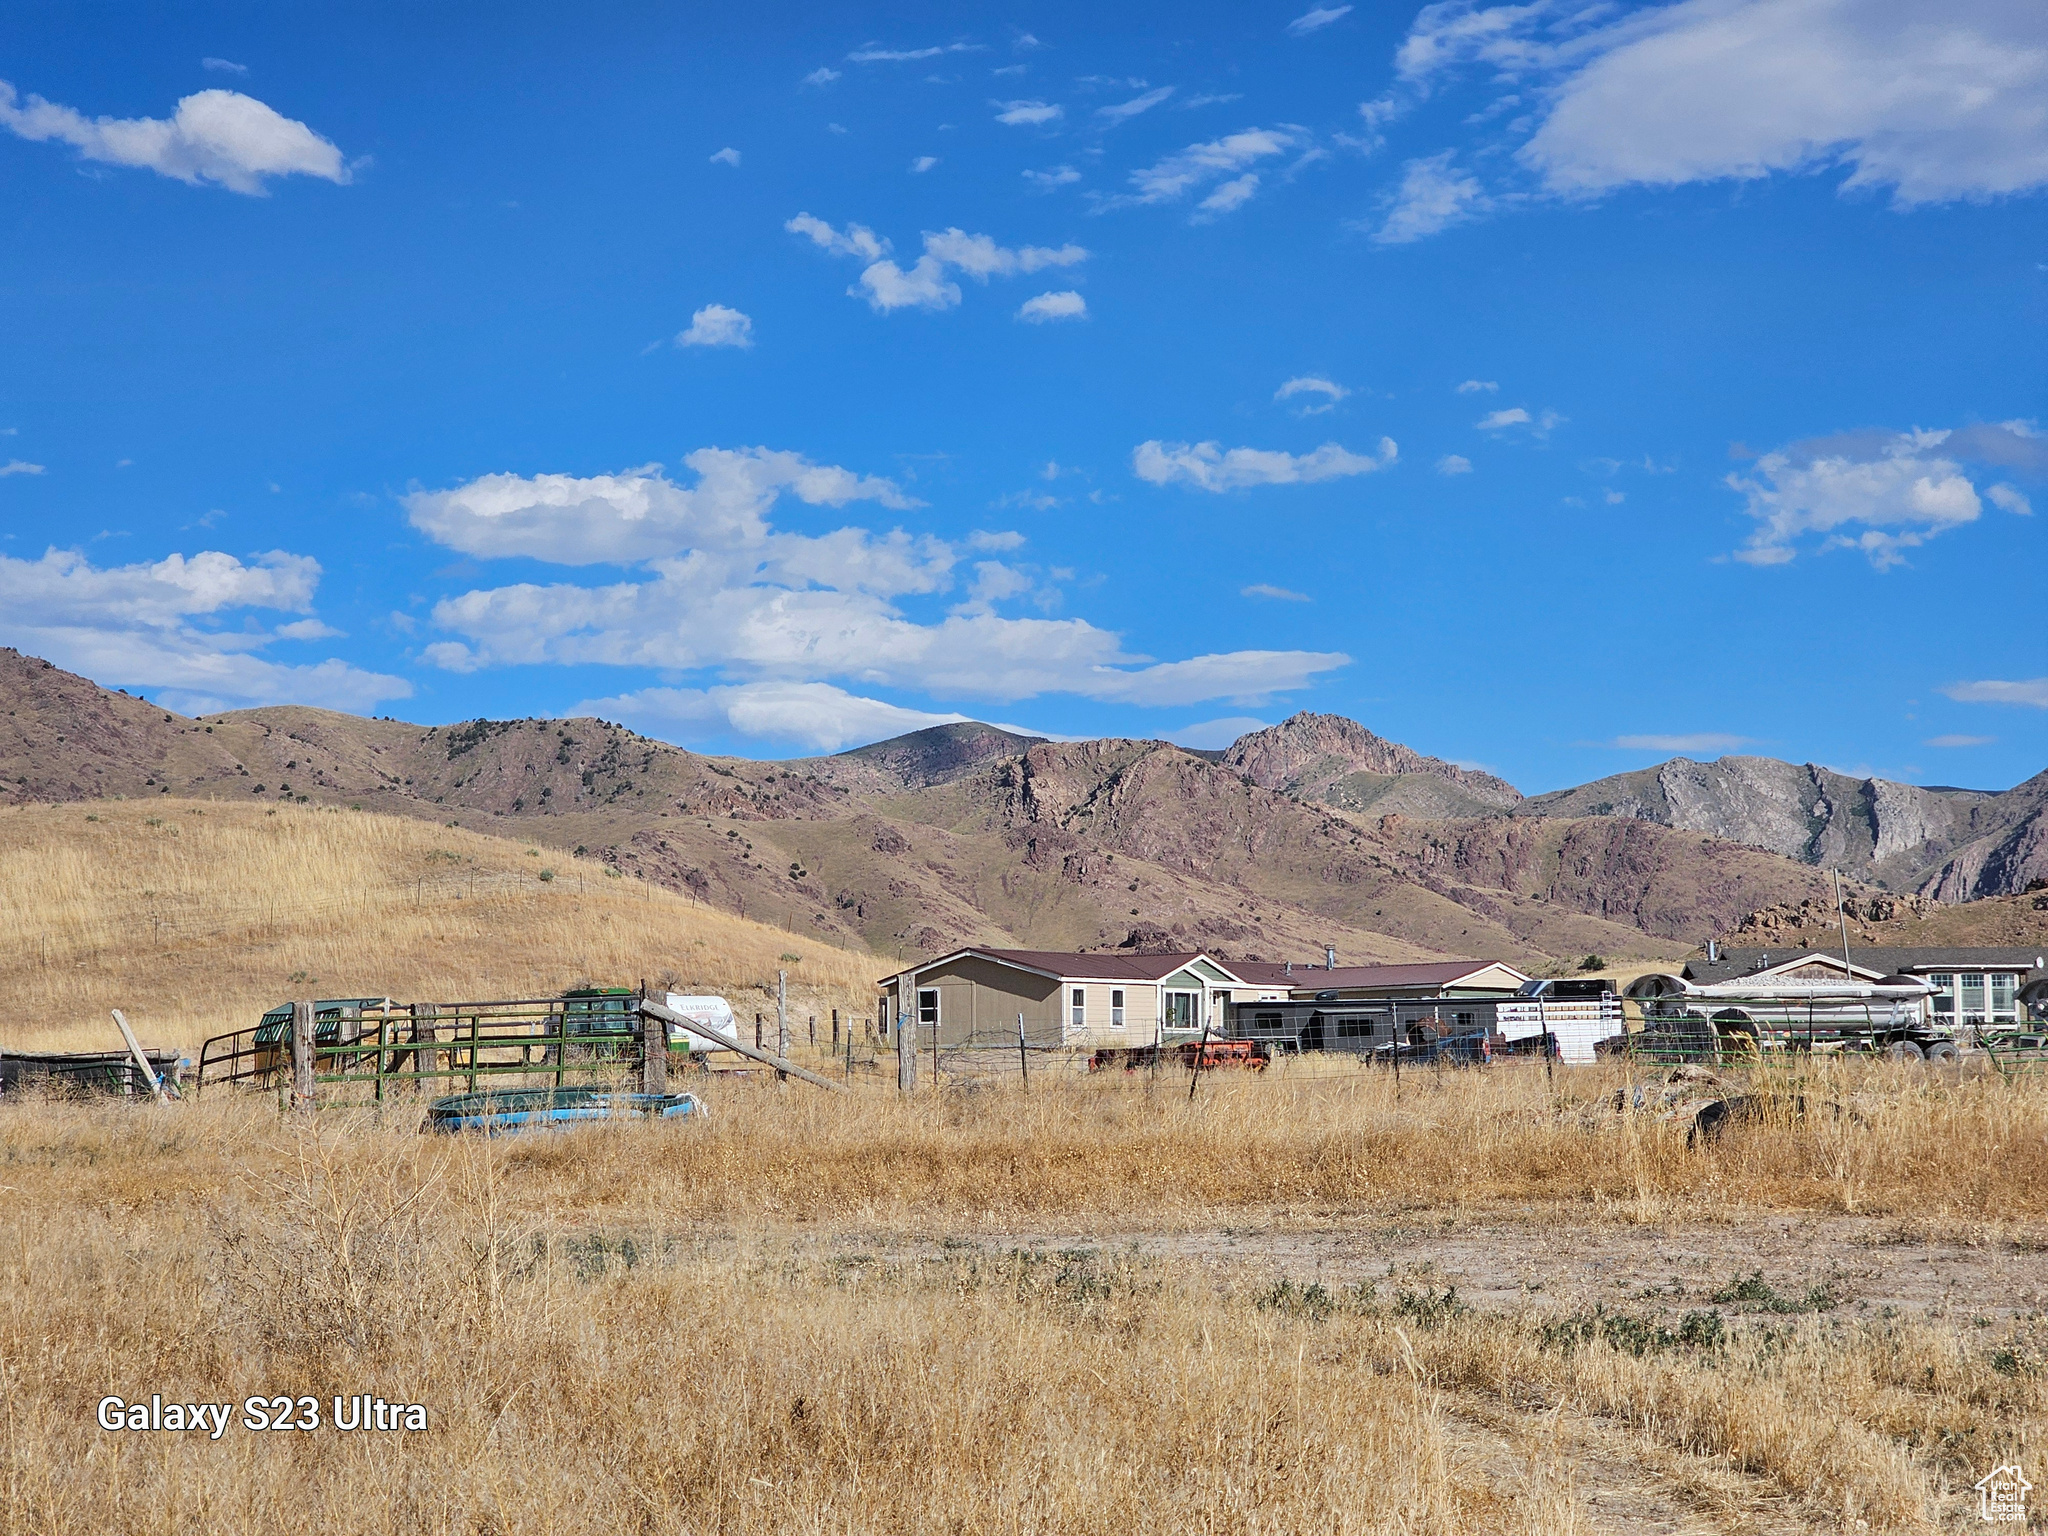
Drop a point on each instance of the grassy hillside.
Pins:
(193, 917)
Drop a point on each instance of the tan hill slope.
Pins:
(964, 833)
(195, 916)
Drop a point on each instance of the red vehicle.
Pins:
(1250, 1055)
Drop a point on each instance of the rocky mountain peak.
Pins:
(1310, 754)
(940, 753)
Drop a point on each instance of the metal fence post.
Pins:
(1023, 1061)
(302, 1056)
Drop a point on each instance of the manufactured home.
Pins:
(976, 997)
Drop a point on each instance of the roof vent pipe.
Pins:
(1330, 957)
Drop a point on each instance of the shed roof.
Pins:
(1884, 960)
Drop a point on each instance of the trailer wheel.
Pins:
(1941, 1051)
(1904, 1050)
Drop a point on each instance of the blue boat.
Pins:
(526, 1109)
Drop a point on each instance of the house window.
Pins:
(2004, 995)
(1971, 988)
(1116, 1008)
(1080, 1001)
(1944, 993)
(1464, 1020)
(1267, 1023)
(928, 1008)
(1354, 1029)
(1183, 1010)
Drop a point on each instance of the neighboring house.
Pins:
(1971, 986)
(974, 996)
(1432, 978)
(1366, 1008)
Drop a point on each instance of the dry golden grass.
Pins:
(636, 1327)
(193, 918)
(824, 1312)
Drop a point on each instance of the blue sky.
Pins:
(1548, 387)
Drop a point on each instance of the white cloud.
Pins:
(1879, 492)
(717, 326)
(1959, 741)
(981, 258)
(1232, 194)
(924, 284)
(815, 715)
(822, 75)
(724, 590)
(875, 54)
(1002, 539)
(1208, 467)
(1516, 416)
(2032, 691)
(858, 240)
(1431, 198)
(1454, 464)
(1211, 100)
(2009, 499)
(1695, 741)
(1027, 113)
(1065, 305)
(224, 66)
(1316, 20)
(1215, 735)
(219, 136)
(134, 626)
(1125, 110)
(640, 514)
(1475, 386)
(726, 156)
(1935, 103)
(1615, 498)
(922, 164)
(307, 629)
(1310, 384)
(1058, 176)
(19, 467)
(1278, 594)
(1199, 164)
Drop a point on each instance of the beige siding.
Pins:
(980, 1000)
(1141, 1013)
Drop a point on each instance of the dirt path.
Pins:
(1867, 1264)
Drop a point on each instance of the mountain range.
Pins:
(1310, 832)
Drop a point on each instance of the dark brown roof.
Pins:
(1432, 973)
(1108, 967)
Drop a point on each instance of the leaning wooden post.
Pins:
(302, 1056)
(1023, 1061)
(1201, 1050)
(135, 1053)
(653, 1052)
(782, 1021)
